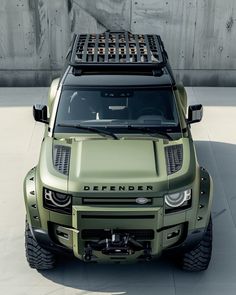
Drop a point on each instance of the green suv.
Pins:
(117, 178)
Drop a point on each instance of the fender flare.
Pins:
(30, 197)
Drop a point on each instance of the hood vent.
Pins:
(174, 158)
(61, 158)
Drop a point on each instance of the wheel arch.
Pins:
(30, 198)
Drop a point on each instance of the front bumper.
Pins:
(82, 231)
(68, 241)
(90, 237)
(91, 219)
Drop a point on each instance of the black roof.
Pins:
(116, 80)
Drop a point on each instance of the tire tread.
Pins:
(199, 258)
(36, 256)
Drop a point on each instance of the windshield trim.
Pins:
(93, 87)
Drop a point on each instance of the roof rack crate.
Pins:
(117, 49)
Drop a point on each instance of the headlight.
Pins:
(178, 199)
(56, 201)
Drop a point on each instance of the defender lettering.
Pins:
(118, 188)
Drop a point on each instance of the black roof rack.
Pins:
(117, 49)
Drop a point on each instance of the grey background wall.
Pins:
(200, 35)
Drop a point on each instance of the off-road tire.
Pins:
(37, 257)
(199, 258)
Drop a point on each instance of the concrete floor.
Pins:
(19, 148)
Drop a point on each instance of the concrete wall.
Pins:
(200, 35)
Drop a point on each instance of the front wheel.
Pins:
(198, 259)
(37, 257)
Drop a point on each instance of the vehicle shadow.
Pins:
(112, 278)
(162, 276)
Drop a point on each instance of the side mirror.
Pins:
(40, 113)
(195, 113)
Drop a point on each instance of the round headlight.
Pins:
(177, 199)
(58, 199)
(61, 200)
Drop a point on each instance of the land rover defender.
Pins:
(117, 178)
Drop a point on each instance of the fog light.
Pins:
(173, 234)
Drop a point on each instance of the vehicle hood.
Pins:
(107, 165)
(116, 166)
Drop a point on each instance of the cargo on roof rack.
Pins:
(114, 49)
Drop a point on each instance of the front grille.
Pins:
(61, 158)
(98, 234)
(174, 158)
(98, 216)
(114, 201)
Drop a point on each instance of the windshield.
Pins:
(116, 108)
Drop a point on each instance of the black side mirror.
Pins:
(195, 113)
(40, 113)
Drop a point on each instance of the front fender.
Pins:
(30, 197)
(205, 199)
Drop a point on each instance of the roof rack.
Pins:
(117, 49)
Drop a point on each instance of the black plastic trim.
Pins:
(192, 239)
(49, 206)
(44, 240)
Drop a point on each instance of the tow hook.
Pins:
(147, 253)
(88, 253)
(148, 258)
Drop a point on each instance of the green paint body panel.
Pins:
(112, 170)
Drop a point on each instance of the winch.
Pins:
(117, 244)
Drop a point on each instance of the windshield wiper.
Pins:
(149, 131)
(91, 129)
